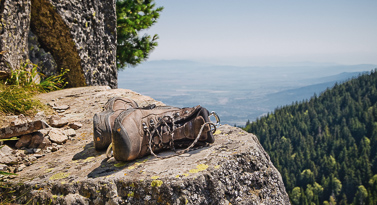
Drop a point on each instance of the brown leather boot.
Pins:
(104, 121)
(139, 131)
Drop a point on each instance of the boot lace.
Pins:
(164, 121)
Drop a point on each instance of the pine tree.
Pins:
(361, 196)
(134, 16)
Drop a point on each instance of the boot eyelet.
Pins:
(144, 126)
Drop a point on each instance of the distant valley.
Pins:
(237, 94)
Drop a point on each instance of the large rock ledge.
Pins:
(235, 169)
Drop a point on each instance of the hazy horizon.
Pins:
(252, 32)
(237, 93)
(244, 58)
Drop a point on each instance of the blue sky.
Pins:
(265, 32)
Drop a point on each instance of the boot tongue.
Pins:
(185, 113)
(122, 104)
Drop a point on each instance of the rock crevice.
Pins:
(54, 35)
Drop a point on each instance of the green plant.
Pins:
(18, 91)
(55, 82)
(8, 194)
(18, 100)
(6, 173)
(24, 76)
(10, 139)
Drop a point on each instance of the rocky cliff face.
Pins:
(80, 36)
(233, 170)
(14, 29)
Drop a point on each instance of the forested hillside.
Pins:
(326, 148)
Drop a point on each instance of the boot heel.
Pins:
(101, 131)
(104, 121)
(126, 137)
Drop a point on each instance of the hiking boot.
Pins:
(104, 121)
(139, 131)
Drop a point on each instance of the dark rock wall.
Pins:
(79, 34)
(92, 26)
(54, 35)
(37, 55)
(14, 29)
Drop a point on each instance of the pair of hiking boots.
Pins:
(134, 132)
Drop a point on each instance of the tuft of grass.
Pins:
(6, 173)
(24, 77)
(17, 92)
(19, 100)
(55, 82)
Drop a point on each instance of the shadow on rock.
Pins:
(88, 151)
(106, 168)
(112, 166)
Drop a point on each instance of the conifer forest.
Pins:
(326, 148)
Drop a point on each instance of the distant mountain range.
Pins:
(286, 97)
(235, 93)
